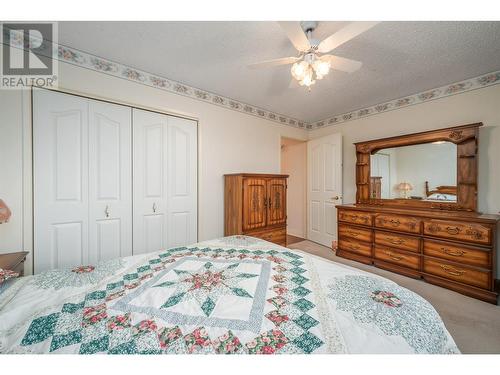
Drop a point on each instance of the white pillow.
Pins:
(442, 197)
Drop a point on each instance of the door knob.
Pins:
(106, 211)
(336, 198)
(154, 207)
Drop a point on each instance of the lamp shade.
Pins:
(4, 212)
(405, 186)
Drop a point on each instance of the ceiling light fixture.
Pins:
(313, 61)
(310, 69)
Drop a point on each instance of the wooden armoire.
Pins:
(255, 205)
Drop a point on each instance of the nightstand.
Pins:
(13, 261)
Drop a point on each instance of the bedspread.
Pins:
(230, 295)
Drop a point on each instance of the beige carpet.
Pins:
(475, 325)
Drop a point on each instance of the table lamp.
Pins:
(4, 212)
(405, 187)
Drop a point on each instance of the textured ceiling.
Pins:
(399, 58)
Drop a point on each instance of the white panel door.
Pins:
(60, 178)
(324, 187)
(110, 181)
(150, 132)
(182, 182)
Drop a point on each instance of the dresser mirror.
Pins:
(432, 170)
(426, 171)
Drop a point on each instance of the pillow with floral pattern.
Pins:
(7, 274)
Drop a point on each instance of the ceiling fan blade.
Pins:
(296, 35)
(275, 62)
(343, 64)
(343, 35)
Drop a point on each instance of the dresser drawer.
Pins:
(459, 231)
(277, 236)
(355, 217)
(457, 253)
(397, 257)
(355, 233)
(463, 274)
(348, 244)
(396, 222)
(398, 241)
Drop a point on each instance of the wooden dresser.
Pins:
(450, 249)
(447, 243)
(255, 205)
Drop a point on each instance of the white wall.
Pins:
(436, 163)
(11, 168)
(294, 163)
(481, 105)
(229, 142)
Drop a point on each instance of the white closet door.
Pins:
(182, 182)
(110, 181)
(60, 164)
(150, 131)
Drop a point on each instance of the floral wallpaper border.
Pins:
(98, 64)
(421, 97)
(105, 66)
(85, 60)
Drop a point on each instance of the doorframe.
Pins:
(305, 218)
(27, 225)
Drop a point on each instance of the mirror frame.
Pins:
(466, 139)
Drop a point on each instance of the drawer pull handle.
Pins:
(453, 230)
(452, 271)
(456, 253)
(354, 217)
(394, 223)
(392, 256)
(354, 234)
(395, 241)
(353, 247)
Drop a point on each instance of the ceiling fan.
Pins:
(313, 62)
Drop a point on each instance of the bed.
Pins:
(230, 295)
(443, 193)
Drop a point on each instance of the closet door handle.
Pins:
(106, 211)
(154, 207)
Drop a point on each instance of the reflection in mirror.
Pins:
(425, 172)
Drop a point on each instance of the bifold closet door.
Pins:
(164, 181)
(60, 180)
(110, 181)
(150, 165)
(82, 180)
(182, 192)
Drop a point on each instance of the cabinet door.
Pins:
(182, 182)
(276, 201)
(60, 180)
(149, 181)
(254, 203)
(110, 181)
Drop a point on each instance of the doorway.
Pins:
(324, 187)
(294, 163)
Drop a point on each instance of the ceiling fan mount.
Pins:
(308, 25)
(313, 61)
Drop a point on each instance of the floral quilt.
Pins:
(234, 295)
